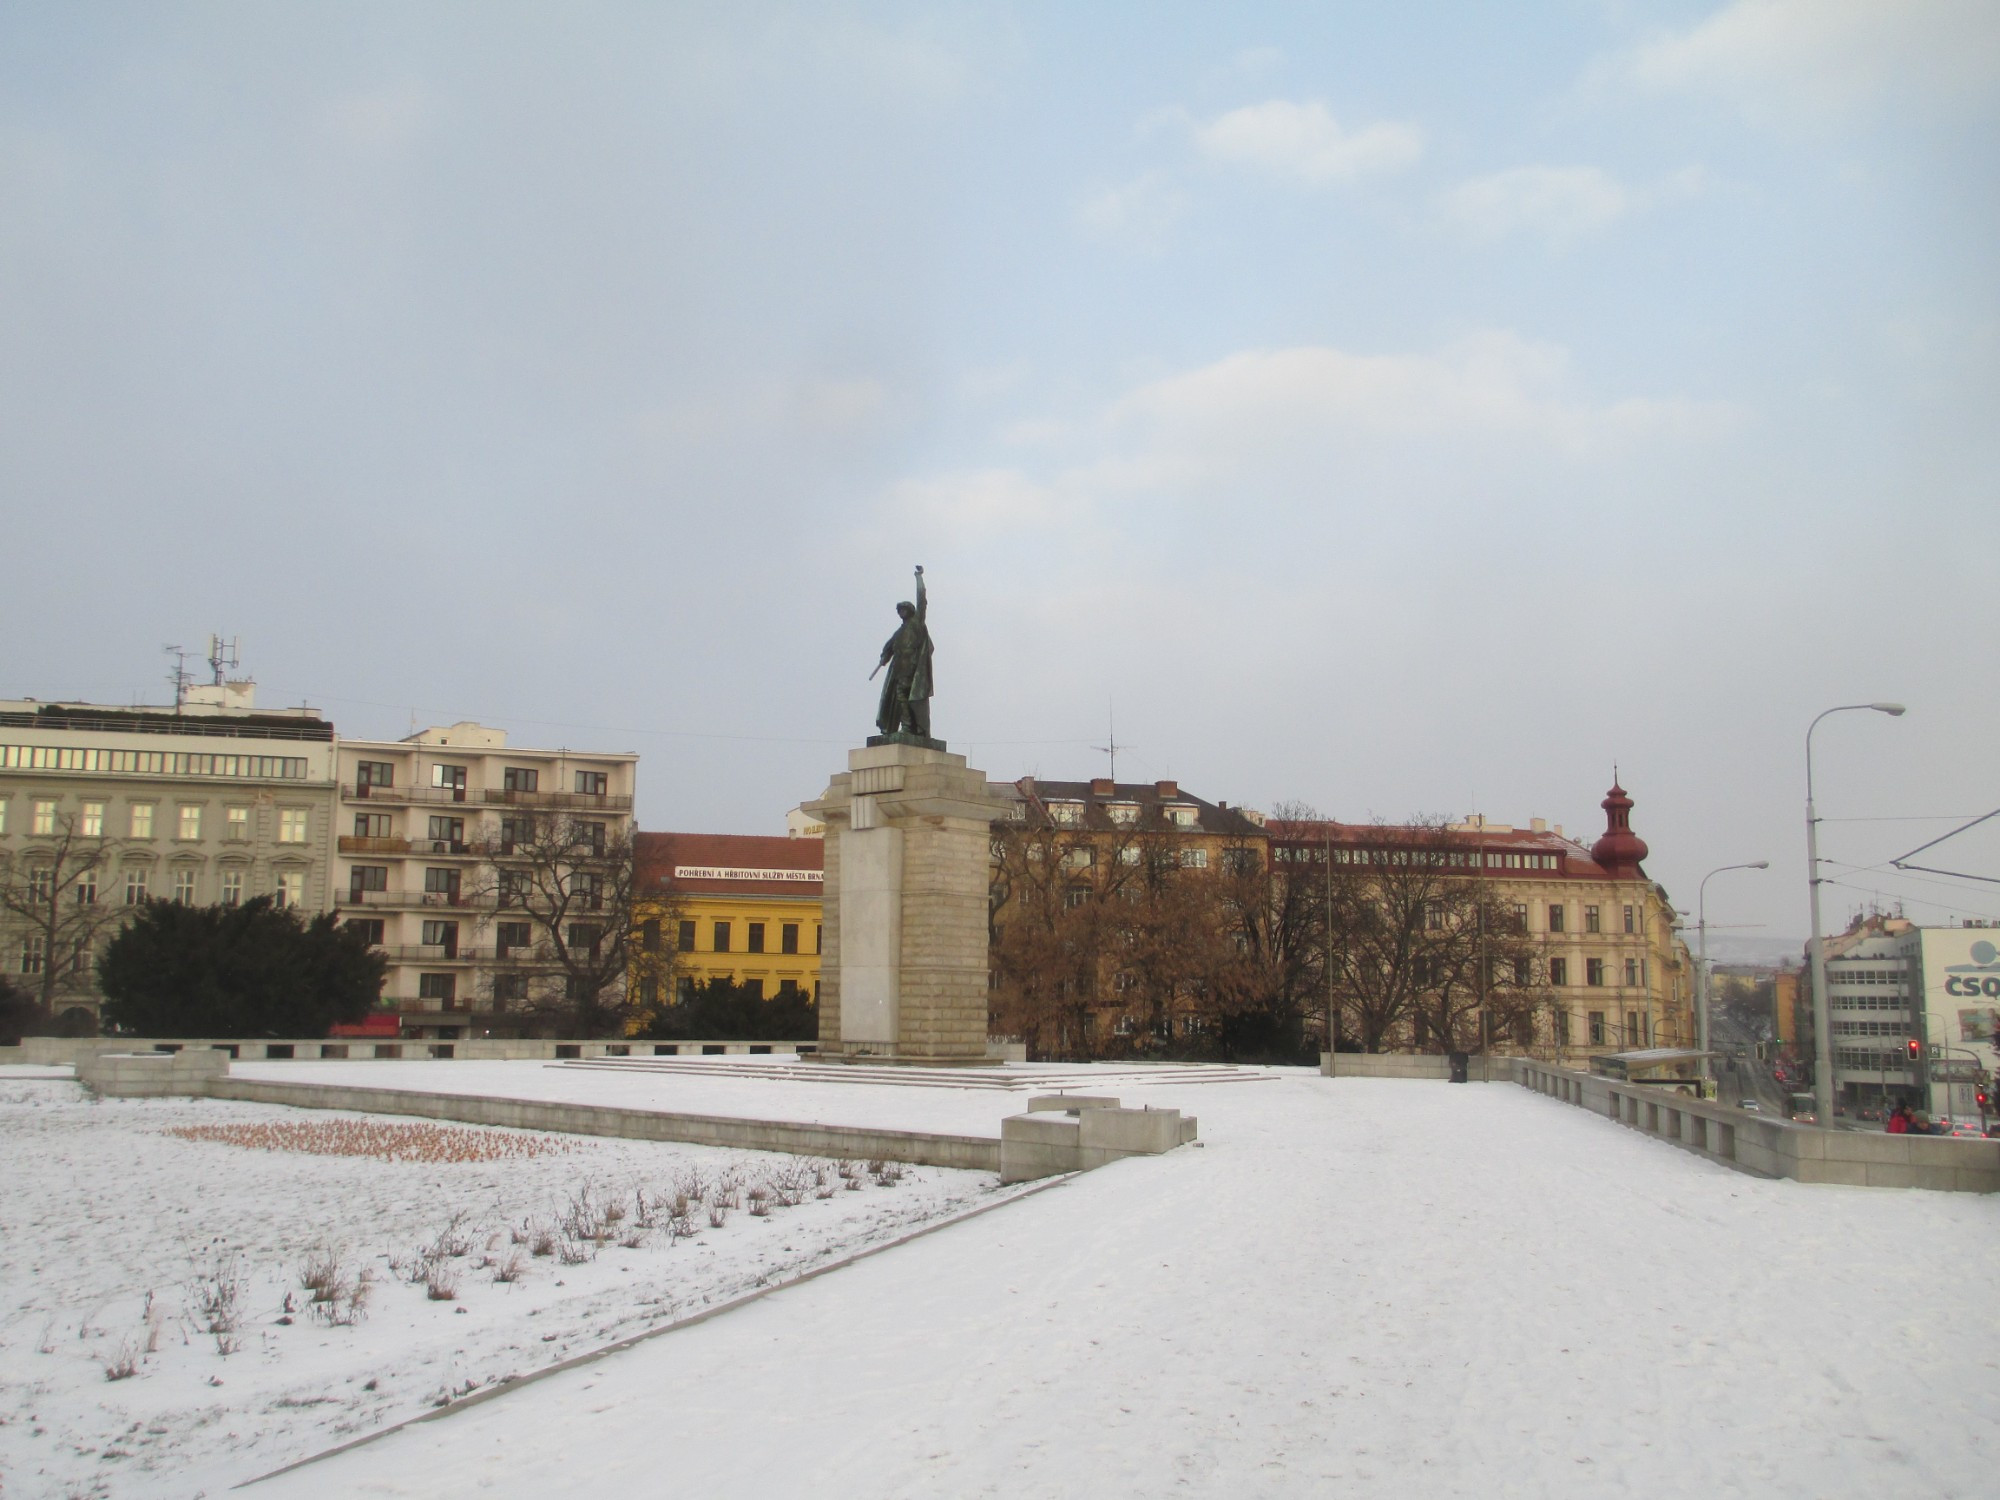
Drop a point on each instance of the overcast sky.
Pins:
(1408, 408)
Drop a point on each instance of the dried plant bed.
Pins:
(178, 1312)
(385, 1140)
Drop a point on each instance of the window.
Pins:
(135, 887)
(291, 889)
(1240, 861)
(142, 820)
(1079, 857)
(585, 937)
(649, 935)
(367, 878)
(441, 935)
(292, 825)
(588, 888)
(1555, 916)
(1518, 918)
(819, 937)
(1590, 921)
(3, 815)
(1076, 896)
(1633, 1035)
(1124, 814)
(374, 773)
(369, 825)
(753, 937)
(520, 779)
(1631, 919)
(1523, 972)
(1597, 1028)
(1593, 971)
(516, 831)
(685, 940)
(1433, 916)
(441, 885)
(34, 954)
(1194, 859)
(1632, 971)
(1558, 971)
(45, 817)
(509, 989)
(232, 892)
(236, 824)
(788, 989)
(441, 989)
(451, 779)
(591, 783)
(1129, 855)
(1562, 1028)
(190, 823)
(507, 936)
(448, 831)
(369, 929)
(86, 888)
(183, 888)
(591, 836)
(721, 937)
(1066, 814)
(91, 824)
(788, 938)
(41, 884)
(1184, 817)
(513, 888)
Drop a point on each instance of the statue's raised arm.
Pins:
(921, 600)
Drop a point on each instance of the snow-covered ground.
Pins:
(751, 1088)
(1353, 1287)
(113, 1234)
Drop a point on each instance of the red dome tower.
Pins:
(1620, 849)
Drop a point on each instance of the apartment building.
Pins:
(1607, 956)
(210, 801)
(741, 907)
(436, 862)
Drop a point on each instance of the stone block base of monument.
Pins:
(903, 960)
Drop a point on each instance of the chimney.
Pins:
(1102, 786)
(1167, 788)
(1538, 825)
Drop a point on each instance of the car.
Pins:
(1871, 1114)
(1752, 1105)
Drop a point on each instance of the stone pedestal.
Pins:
(903, 960)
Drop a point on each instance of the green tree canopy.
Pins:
(721, 1010)
(225, 971)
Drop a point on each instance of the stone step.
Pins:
(1014, 1079)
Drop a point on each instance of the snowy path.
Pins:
(1358, 1287)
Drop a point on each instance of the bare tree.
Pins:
(53, 897)
(1044, 936)
(571, 881)
(1423, 955)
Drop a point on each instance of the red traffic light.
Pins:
(1985, 1100)
(1915, 1047)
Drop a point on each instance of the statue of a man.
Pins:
(906, 691)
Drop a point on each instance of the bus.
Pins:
(1800, 1107)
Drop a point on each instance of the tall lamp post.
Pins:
(1816, 948)
(1701, 960)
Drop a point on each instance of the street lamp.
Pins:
(1701, 961)
(1815, 948)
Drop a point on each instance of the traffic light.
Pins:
(1984, 1099)
(1916, 1049)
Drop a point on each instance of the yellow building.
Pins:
(728, 906)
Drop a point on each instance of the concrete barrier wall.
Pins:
(1480, 1068)
(970, 1152)
(1770, 1147)
(57, 1051)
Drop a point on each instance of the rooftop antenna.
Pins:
(1111, 749)
(222, 658)
(179, 677)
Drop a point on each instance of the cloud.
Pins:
(1304, 143)
(1139, 212)
(1789, 61)
(1560, 204)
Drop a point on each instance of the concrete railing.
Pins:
(1771, 1147)
(1480, 1067)
(58, 1051)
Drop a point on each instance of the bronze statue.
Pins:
(906, 691)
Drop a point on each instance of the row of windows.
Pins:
(1840, 973)
(649, 989)
(1596, 970)
(723, 935)
(182, 886)
(152, 762)
(1123, 814)
(185, 819)
(1895, 1002)
(1870, 1061)
(1871, 1028)
(382, 773)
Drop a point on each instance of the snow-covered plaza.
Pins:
(1361, 1287)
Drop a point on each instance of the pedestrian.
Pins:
(1899, 1121)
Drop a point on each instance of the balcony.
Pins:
(413, 898)
(574, 801)
(354, 843)
(365, 793)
